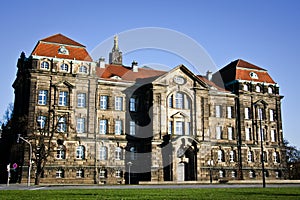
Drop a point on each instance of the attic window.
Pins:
(63, 50)
(253, 75)
(116, 77)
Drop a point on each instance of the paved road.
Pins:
(64, 187)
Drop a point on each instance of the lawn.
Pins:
(216, 193)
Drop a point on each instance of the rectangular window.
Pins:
(41, 120)
(171, 101)
(63, 98)
(103, 153)
(103, 102)
(43, 94)
(118, 103)
(118, 127)
(218, 111)
(132, 128)
(230, 133)
(80, 125)
(260, 114)
(271, 115)
(81, 100)
(170, 128)
(273, 135)
(62, 125)
(79, 173)
(247, 113)
(261, 134)
(248, 134)
(179, 100)
(179, 128)
(218, 132)
(132, 105)
(103, 126)
(229, 112)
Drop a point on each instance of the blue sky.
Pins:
(265, 33)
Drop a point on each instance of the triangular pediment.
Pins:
(64, 84)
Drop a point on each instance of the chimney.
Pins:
(102, 62)
(134, 66)
(209, 75)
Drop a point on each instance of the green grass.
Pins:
(216, 193)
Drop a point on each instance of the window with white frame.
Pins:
(118, 173)
(276, 157)
(44, 65)
(221, 174)
(41, 121)
(80, 173)
(118, 127)
(81, 100)
(247, 113)
(103, 153)
(270, 90)
(60, 173)
(230, 133)
(170, 101)
(218, 111)
(43, 95)
(271, 115)
(246, 87)
(179, 128)
(80, 125)
(179, 100)
(80, 152)
(61, 152)
(131, 128)
(119, 153)
(103, 102)
(257, 88)
(63, 98)
(62, 124)
(232, 156)
(132, 104)
(248, 133)
(64, 67)
(170, 128)
(221, 156)
(218, 132)
(118, 103)
(103, 126)
(251, 174)
(250, 156)
(273, 135)
(102, 173)
(229, 112)
(83, 69)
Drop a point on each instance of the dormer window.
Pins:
(246, 87)
(253, 75)
(64, 67)
(270, 90)
(63, 50)
(44, 65)
(257, 88)
(83, 69)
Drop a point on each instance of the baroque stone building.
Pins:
(117, 124)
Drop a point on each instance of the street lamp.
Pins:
(30, 152)
(129, 165)
(261, 145)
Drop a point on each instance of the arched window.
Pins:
(83, 69)
(221, 173)
(118, 153)
(179, 101)
(270, 90)
(80, 152)
(44, 65)
(246, 87)
(257, 88)
(61, 152)
(103, 153)
(64, 67)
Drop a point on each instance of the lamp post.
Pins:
(261, 145)
(129, 165)
(30, 152)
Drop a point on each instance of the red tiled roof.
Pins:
(61, 39)
(240, 70)
(126, 73)
(211, 84)
(49, 47)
